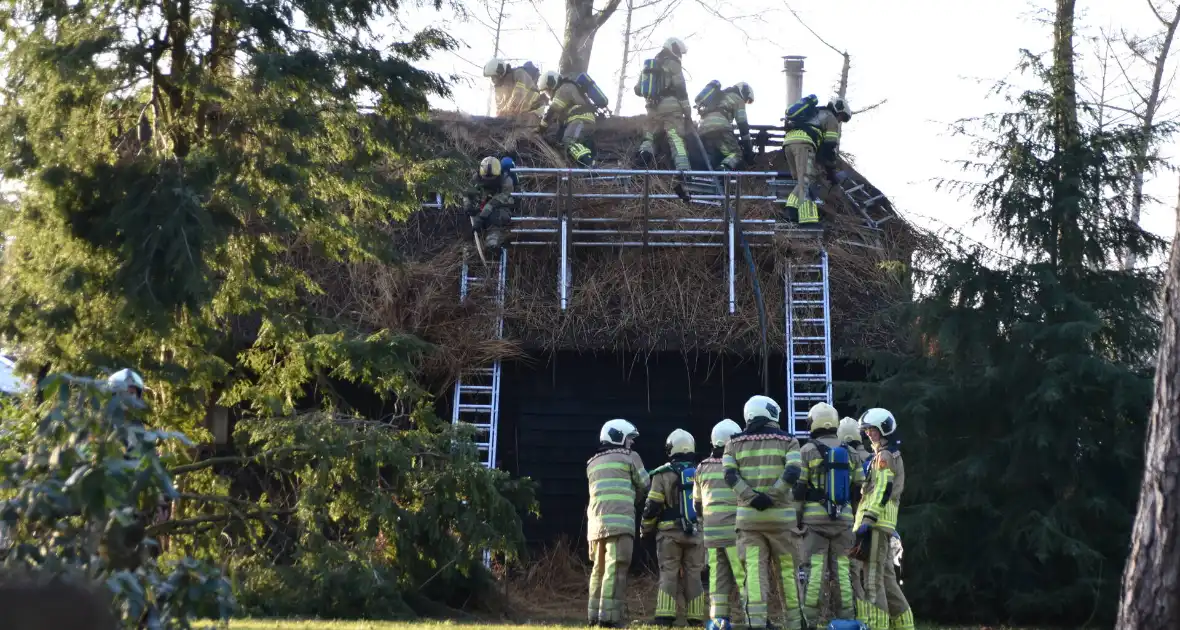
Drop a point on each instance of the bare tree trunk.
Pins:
(1151, 580)
(842, 89)
(581, 25)
(626, 57)
(1067, 132)
(496, 52)
(1150, 107)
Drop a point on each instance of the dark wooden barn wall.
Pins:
(553, 406)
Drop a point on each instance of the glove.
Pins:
(761, 501)
(478, 223)
(799, 491)
(469, 207)
(864, 530)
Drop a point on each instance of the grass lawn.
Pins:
(261, 624)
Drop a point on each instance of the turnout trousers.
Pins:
(682, 561)
(576, 138)
(608, 579)
(761, 552)
(667, 117)
(801, 159)
(884, 606)
(825, 550)
(726, 573)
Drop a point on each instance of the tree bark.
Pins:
(1067, 137)
(581, 25)
(1151, 580)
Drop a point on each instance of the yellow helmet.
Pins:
(489, 168)
(823, 416)
(680, 442)
(849, 430)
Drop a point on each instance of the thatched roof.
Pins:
(637, 298)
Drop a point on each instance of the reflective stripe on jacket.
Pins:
(717, 504)
(758, 463)
(617, 481)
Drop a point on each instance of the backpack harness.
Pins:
(836, 491)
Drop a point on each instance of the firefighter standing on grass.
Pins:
(831, 479)
(762, 465)
(849, 435)
(885, 606)
(679, 545)
(716, 504)
(617, 482)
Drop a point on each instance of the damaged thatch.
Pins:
(635, 298)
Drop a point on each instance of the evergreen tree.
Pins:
(183, 164)
(1024, 393)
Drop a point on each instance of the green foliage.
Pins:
(1024, 392)
(360, 519)
(183, 168)
(81, 495)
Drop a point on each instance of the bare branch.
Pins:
(809, 29)
(872, 107)
(602, 16)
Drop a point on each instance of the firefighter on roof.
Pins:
(716, 504)
(719, 108)
(849, 435)
(885, 606)
(571, 116)
(489, 202)
(811, 131)
(831, 480)
(661, 84)
(516, 88)
(679, 541)
(617, 482)
(762, 465)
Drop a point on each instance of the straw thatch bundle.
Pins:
(632, 298)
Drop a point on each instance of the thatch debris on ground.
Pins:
(635, 298)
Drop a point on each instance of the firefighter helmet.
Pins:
(745, 91)
(489, 168)
(675, 46)
(761, 407)
(823, 416)
(618, 432)
(848, 431)
(495, 69)
(722, 431)
(840, 108)
(126, 381)
(879, 418)
(550, 80)
(680, 442)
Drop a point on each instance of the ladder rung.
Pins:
(855, 188)
(810, 302)
(819, 378)
(809, 396)
(807, 285)
(479, 408)
(478, 389)
(810, 320)
(874, 200)
(808, 339)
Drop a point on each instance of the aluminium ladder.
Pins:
(477, 391)
(809, 340)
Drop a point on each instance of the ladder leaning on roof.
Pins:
(477, 390)
(809, 339)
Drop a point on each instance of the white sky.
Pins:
(933, 63)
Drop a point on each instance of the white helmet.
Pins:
(839, 107)
(761, 407)
(675, 46)
(849, 430)
(879, 418)
(618, 432)
(745, 91)
(550, 80)
(823, 416)
(722, 431)
(495, 68)
(680, 442)
(125, 379)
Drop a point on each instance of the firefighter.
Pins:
(716, 131)
(617, 482)
(815, 136)
(661, 83)
(849, 435)
(716, 505)
(762, 465)
(126, 381)
(829, 484)
(571, 116)
(489, 203)
(679, 544)
(516, 89)
(885, 606)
